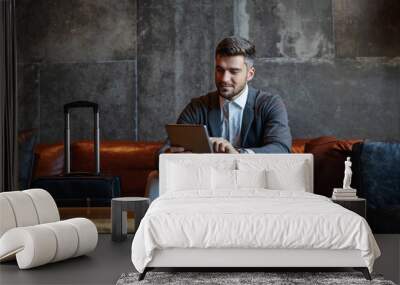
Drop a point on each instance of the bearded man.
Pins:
(239, 118)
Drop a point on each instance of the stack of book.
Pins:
(343, 194)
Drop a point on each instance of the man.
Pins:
(240, 119)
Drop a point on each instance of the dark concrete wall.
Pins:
(336, 63)
(77, 50)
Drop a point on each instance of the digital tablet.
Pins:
(193, 138)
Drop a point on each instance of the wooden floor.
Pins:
(103, 266)
(111, 259)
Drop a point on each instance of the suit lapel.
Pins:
(214, 115)
(248, 115)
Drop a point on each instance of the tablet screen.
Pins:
(193, 138)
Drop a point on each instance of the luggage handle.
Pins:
(67, 135)
(81, 104)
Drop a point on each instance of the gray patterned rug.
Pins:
(230, 278)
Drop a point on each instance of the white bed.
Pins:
(253, 210)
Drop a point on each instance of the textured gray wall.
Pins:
(336, 63)
(333, 62)
(77, 50)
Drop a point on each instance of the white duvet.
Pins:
(252, 218)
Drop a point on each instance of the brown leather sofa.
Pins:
(130, 160)
(133, 161)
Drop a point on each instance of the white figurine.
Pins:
(347, 174)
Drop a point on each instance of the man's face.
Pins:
(231, 75)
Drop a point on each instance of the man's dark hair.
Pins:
(232, 46)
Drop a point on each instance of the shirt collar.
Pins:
(239, 101)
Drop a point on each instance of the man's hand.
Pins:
(222, 145)
(176, 149)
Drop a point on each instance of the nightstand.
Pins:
(119, 207)
(358, 205)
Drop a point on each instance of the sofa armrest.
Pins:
(152, 185)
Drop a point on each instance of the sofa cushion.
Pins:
(329, 156)
(298, 145)
(49, 160)
(132, 161)
(115, 155)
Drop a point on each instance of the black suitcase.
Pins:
(80, 189)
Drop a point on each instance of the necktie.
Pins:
(225, 110)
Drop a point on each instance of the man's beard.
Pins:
(231, 94)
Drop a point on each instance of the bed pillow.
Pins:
(292, 178)
(251, 178)
(285, 173)
(224, 179)
(182, 177)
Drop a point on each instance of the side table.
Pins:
(119, 207)
(357, 205)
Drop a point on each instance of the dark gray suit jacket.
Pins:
(264, 128)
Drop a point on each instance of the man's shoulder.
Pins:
(257, 97)
(265, 93)
(265, 96)
(206, 100)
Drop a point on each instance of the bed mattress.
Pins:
(250, 219)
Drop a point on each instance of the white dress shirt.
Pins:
(231, 118)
